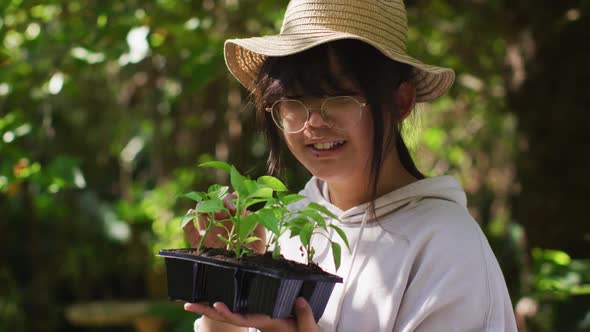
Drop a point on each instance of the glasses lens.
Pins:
(289, 115)
(342, 112)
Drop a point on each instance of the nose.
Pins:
(316, 119)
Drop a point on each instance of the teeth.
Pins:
(327, 145)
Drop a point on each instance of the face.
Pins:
(331, 154)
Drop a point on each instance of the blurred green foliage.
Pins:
(107, 107)
(557, 276)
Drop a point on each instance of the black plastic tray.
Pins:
(244, 288)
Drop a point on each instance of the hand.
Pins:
(220, 312)
(211, 241)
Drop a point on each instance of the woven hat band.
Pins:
(381, 21)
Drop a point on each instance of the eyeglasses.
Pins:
(341, 112)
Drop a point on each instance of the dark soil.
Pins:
(256, 260)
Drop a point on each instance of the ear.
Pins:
(405, 98)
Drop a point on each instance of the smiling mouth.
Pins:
(327, 145)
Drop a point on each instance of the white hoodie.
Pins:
(425, 265)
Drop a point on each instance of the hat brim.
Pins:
(243, 58)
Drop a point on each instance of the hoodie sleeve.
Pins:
(455, 282)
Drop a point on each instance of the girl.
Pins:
(334, 88)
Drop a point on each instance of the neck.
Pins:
(355, 190)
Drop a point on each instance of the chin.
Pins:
(330, 173)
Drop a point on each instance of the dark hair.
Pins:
(308, 73)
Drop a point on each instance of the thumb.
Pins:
(230, 206)
(191, 232)
(305, 320)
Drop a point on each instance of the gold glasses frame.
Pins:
(309, 110)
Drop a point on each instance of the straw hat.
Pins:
(308, 23)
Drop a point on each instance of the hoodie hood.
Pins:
(443, 187)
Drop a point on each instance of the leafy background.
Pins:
(106, 108)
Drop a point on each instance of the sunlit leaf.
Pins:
(262, 193)
(186, 219)
(218, 191)
(272, 182)
(213, 205)
(251, 186)
(195, 196)
(225, 240)
(237, 181)
(292, 198)
(252, 239)
(322, 209)
(255, 201)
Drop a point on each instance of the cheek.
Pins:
(293, 141)
(365, 130)
(364, 139)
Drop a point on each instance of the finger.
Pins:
(204, 310)
(229, 205)
(222, 215)
(305, 319)
(246, 320)
(259, 246)
(191, 232)
(203, 219)
(230, 197)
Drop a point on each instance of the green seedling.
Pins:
(276, 216)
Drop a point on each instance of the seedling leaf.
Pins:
(294, 232)
(237, 181)
(322, 209)
(336, 252)
(212, 205)
(226, 241)
(289, 199)
(315, 217)
(186, 219)
(247, 225)
(341, 234)
(262, 193)
(268, 219)
(217, 164)
(305, 234)
(251, 202)
(272, 182)
(252, 239)
(251, 186)
(217, 190)
(298, 221)
(195, 196)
